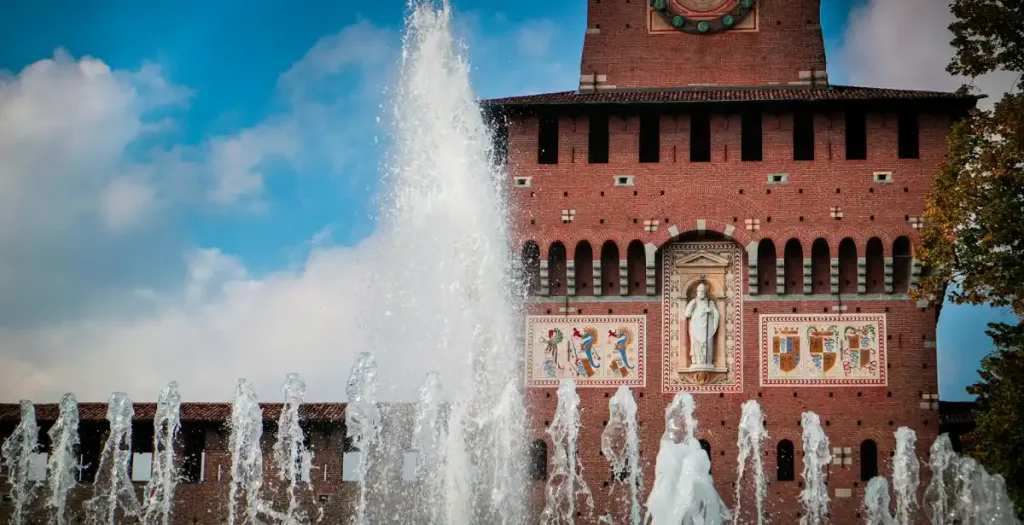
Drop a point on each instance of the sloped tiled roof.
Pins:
(738, 94)
(211, 412)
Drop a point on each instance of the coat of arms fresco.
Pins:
(823, 350)
(595, 351)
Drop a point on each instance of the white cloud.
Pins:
(125, 203)
(219, 321)
(905, 44)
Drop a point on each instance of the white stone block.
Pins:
(844, 493)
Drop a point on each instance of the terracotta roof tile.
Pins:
(212, 412)
(739, 94)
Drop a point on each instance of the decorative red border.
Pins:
(641, 350)
(738, 273)
(883, 357)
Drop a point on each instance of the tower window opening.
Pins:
(856, 135)
(751, 137)
(547, 140)
(803, 135)
(700, 137)
(650, 138)
(909, 136)
(597, 147)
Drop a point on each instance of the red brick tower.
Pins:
(705, 146)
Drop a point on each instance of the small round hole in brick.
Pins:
(859, 422)
(872, 217)
(662, 192)
(871, 190)
(547, 394)
(634, 193)
(741, 191)
(645, 311)
(830, 394)
(609, 312)
(794, 394)
(720, 394)
(565, 194)
(801, 218)
(768, 192)
(634, 221)
(735, 219)
(858, 309)
(800, 191)
(759, 394)
(888, 394)
(906, 190)
(627, 25)
(641, 394)
(549, 311)
(602, 194)
(838, 190)
(769, 219)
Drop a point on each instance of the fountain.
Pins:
(113, 488)
(17, 453)
(63, 466)
(877, 502)
(683, 491)
(566, 484)
(620, 443)
(814, 497)
(159, 495)
(429, 437)
(246, 454)
(362, 421)
(751, 437)
(290, 452)
(906, 476)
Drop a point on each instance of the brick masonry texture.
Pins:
(788, 41)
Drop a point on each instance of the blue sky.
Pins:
(245, 137)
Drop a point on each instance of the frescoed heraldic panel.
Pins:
(595, 351)
(823, 350)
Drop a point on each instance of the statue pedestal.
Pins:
(702, 368)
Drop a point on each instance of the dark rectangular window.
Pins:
(909, 135)
(750, 136)
(501, 140)
(700, 137)
(193, 438)
(91, 435)
(803, 135)
(650, 138)
(547, 140)
(597, 146)
(856, 135)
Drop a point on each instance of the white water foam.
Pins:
(620, 443)
(16, 459)
(750, 439)
(814, 496)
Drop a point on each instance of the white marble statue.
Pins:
(703, 316)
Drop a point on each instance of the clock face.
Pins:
(703, 6)
(703, 16)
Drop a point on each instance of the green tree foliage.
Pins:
(974, 231)
(997, 442)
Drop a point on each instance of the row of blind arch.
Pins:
(785, 459)
(767, 268)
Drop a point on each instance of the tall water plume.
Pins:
(939, 498)
(444, 293)
(246, 455)
(877, 503)
(620, 443)
(429, 437)
(683, 491)
(159, 495)
(17, 453)
(63, 465)
(814, 496)
(749, 442)
(906, 475)
(362, 421)
(290, 452)
(566, 484)
(113, 490)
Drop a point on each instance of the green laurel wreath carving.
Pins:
(703, 27)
